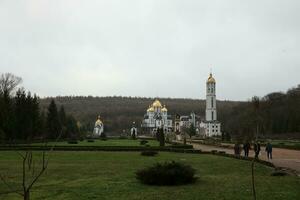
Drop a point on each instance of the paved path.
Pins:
(285, 158)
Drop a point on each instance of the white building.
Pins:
(187, 121)
(211, 125)
(99, 128)
(157, 117)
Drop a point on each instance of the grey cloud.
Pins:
(151, 48)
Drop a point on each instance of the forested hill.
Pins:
(118, 113)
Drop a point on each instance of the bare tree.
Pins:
(30, 173)
(9, 82)
(256, 106)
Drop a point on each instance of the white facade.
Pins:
(211, 124)
(187, 121)
(157, 117)
(99, 128)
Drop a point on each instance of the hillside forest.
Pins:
(23, 115)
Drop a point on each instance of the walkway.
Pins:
(285, 158)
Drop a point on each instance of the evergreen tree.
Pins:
(161, 136)
(72, 128)
(63, 121)
(53, 124)
(7, 116)
(42, 125)
(26, 112)
(192, 130)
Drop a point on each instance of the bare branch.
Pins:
(20, 154)
(29, 160)
(24, 172)
(8, 82)
(44, 161)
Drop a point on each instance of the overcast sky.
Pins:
(151, 48)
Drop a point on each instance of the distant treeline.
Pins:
(277, 114)
(118, 113)
(25, 116)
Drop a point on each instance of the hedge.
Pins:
(95, 148)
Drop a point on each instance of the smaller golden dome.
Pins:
(150, 109)
(211, 79)
(164, 109)
(98, 122)
(156, 104)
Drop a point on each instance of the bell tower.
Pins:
(211, 108)
(212, 125)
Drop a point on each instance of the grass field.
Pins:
(109, 142)
(111, 176)
(289, 144)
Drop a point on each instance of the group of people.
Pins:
(256, 147)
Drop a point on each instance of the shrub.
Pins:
(149, 153)
(214, 151)
(278, 173)
(169, 173)
(72, 142)
(143, 142)
(90, 140)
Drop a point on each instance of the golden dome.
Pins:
(150, 109)
(156, 104)
(164, 109)
(98, 122)
(211, 79)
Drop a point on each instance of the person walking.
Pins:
(256, 149)
(237, 149)
(246, 148)
(269, 150)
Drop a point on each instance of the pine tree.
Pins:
(192, 130)
(63, 121)
(72, 128)
(53, 124)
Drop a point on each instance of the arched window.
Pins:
(212, 102)
(212, 115)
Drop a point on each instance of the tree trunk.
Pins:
(253, 184)
(161, 138)
(27, 195)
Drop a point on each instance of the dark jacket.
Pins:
(269, 147)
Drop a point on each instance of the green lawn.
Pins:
(110, 176)
(109, 142)
(292, 144)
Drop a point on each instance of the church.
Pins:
(98, 128)
(157, 116)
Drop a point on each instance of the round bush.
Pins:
(168, 173)
(149, 153)
(143, 142)
(72, 142)
(278, 173)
